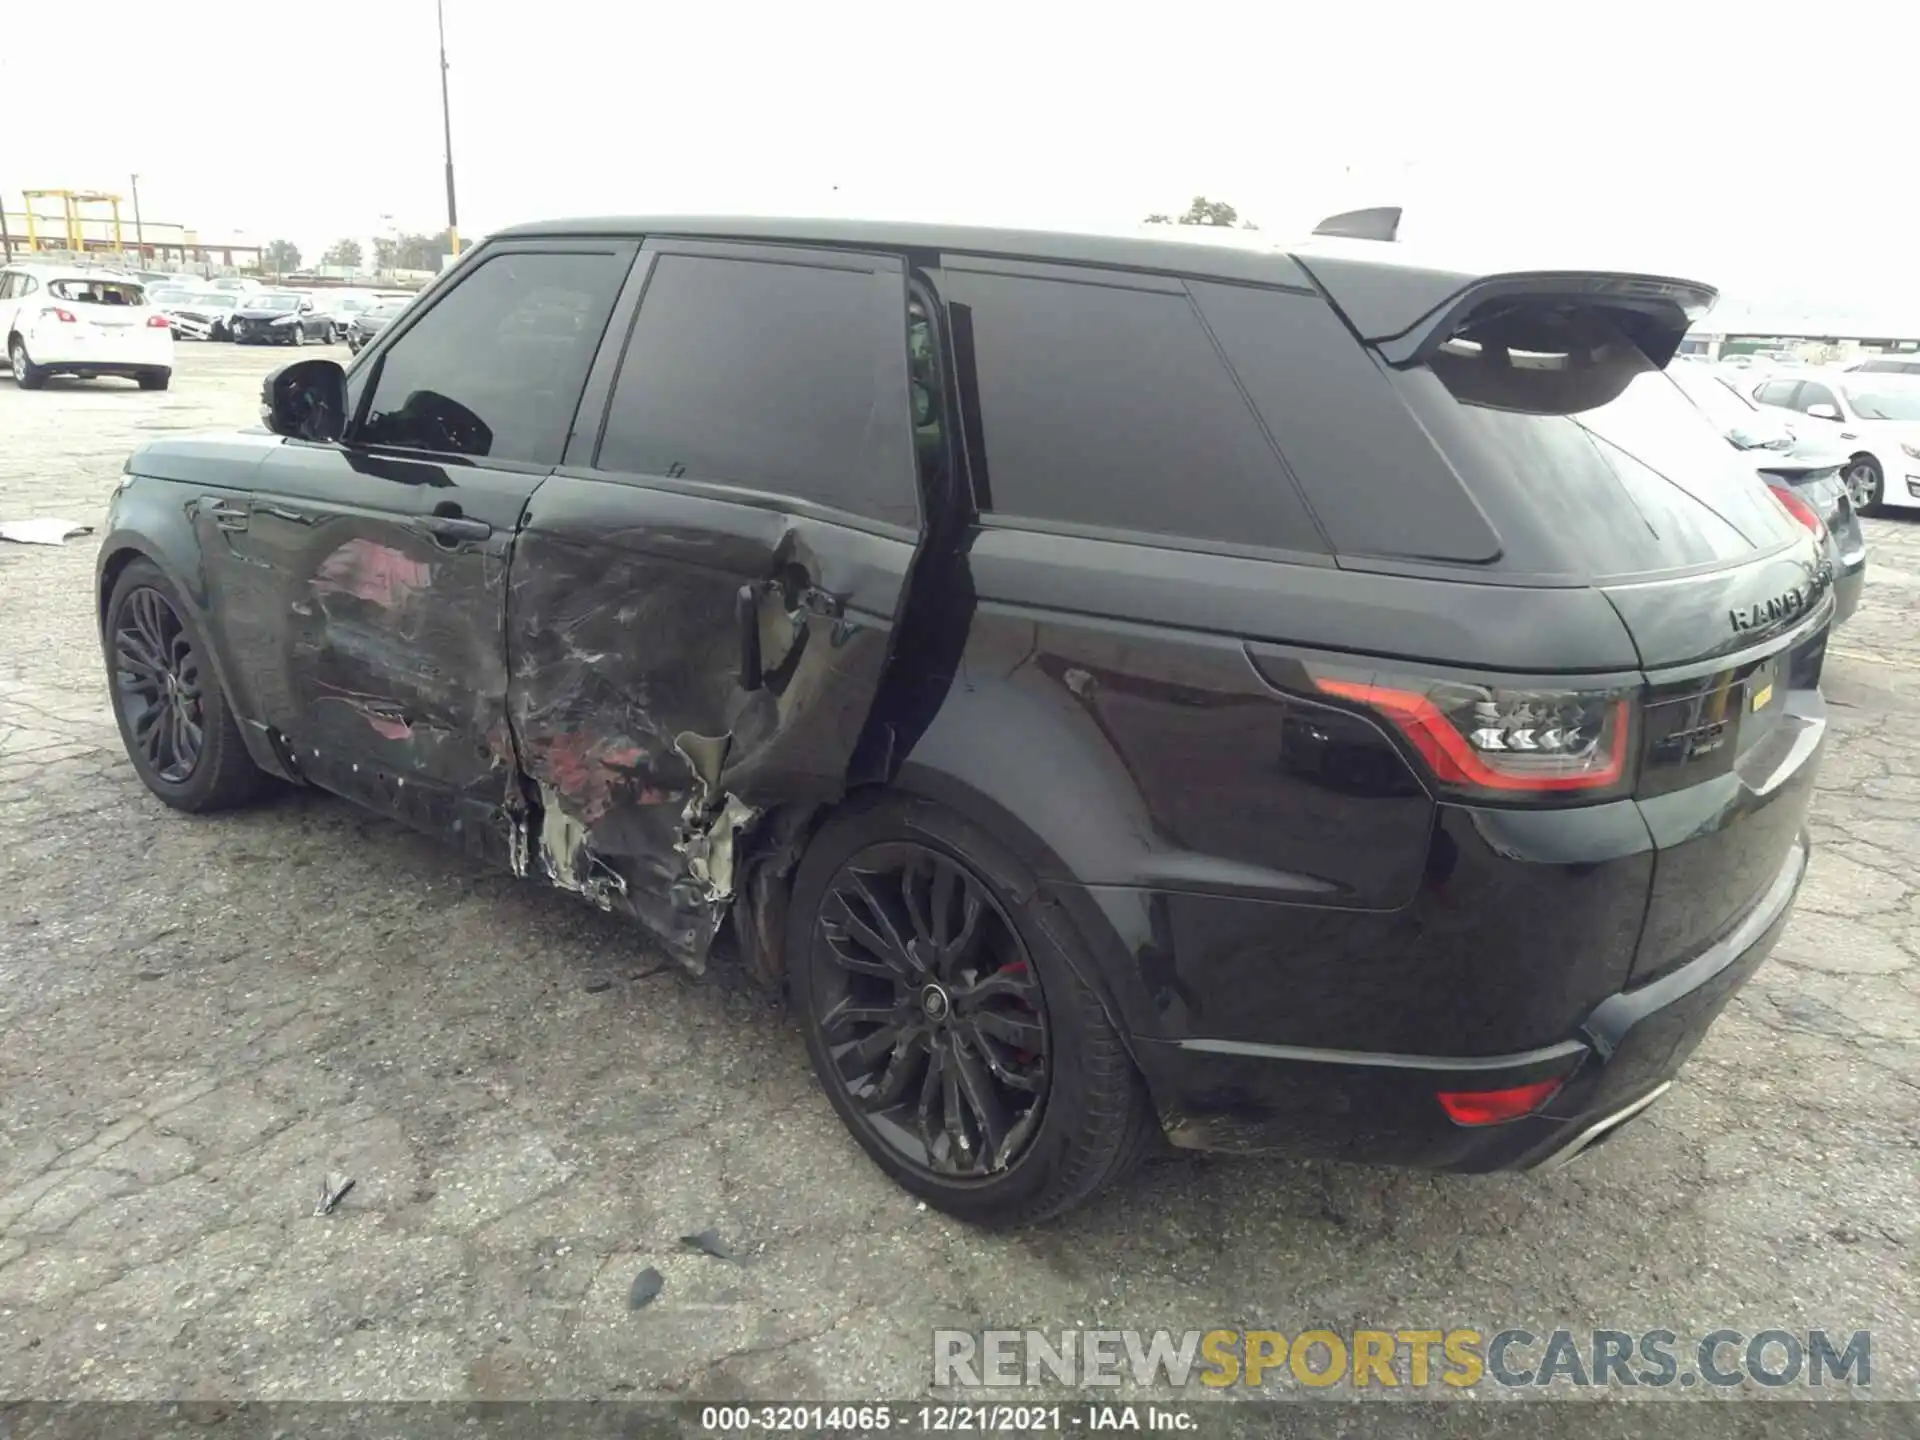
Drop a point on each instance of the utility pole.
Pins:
(446, 121)
(139, 230)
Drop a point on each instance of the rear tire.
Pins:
(1095, 1120)
(155, 379)
(1866, 486)
(329, 338)
(26, 374)
(192, 755)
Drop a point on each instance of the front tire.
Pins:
(299, 335)
(328, 337)
(174, 719)
(156, 379)
(948, 1023)
(1865, 484)
(26, 374)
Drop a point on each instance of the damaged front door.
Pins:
(381, 658)
(703, 597)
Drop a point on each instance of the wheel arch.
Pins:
(175, 556)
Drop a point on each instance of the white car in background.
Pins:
(82, 322)
(1876, 418)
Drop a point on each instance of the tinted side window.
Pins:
(786, 378)
(1373, 478)
(1812, 394)
(1110, 408)
(495, 368)
(1776, 392)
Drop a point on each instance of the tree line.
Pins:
(390, 252)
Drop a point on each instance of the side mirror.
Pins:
(306, 401)
(306, 307)
(1824, 411)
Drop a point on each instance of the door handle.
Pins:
(746, 618)
(452, 529)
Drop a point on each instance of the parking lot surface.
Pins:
(202, 1018)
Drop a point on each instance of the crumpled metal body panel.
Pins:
(649, 759)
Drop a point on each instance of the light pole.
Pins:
(139, 230)
(446, 121)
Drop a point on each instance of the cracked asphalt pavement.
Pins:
(202, 1018)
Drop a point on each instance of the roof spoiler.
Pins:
(1382, 222)
(1406, 312)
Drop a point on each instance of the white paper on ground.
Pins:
(42, 532)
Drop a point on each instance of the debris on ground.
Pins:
(647, 1285)
(42, 532)
(333, 1190)
(709, 1241)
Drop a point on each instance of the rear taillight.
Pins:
(159, 322)
(1491, 1107)
(65, 317)
(1798, 508)
(1513, 744)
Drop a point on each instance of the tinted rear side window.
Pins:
(1110, 408)
(1373, 478)
(1561, 412)
(779, 377)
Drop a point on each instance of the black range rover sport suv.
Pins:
(1316, 700)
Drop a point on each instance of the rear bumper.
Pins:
(1381, 1109)
(1850, 581)
(135, 353)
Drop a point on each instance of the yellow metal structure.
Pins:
(73, 221)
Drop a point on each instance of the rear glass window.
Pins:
(1110, 408)
(1561, 409)
(97, 292)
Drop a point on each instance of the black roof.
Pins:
(1383, 287)
(1240, 255)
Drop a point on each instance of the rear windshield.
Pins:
(97, 292)
(1596, 445)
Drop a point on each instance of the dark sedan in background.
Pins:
(281, 318)
(1806, 472)
(370, 322)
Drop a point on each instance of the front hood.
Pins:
(263, 317)
(216, 458)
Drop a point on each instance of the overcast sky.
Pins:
(1762, 148)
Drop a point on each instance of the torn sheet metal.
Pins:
(634, 706)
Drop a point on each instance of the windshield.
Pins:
(349, 305)
(273, 302)
(1885, 402)
(387, 309)
(168, 297)
(216, 302)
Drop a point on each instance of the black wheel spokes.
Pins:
(938, 1029)
(158, 684)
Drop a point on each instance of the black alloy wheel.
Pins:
(178, 729)
(952, 1013)
(157, 685)
(937, 1027)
